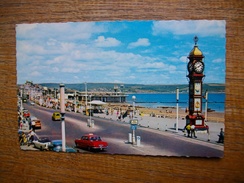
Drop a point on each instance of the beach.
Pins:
(168, 112)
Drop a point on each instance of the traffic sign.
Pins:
(133, 127)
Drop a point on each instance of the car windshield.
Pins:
(56, 145)
(96, 138)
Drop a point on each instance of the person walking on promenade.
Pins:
(31, 136)
(29, 122)
(22, 138)
(188, 129)
(193, 131)
(33, 125)
(221, 136)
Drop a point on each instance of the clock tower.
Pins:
(195, 75)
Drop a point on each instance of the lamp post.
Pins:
(62, 107)
(177, 109)
(90, 109)
(86, 95)
(134, 99)
(75, 102)
(21, 101)
(206, 105)
(133, 130)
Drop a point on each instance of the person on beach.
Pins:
(221, 136)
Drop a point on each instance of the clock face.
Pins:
(199, 67)
(190, 66)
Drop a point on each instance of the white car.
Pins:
(42, 143)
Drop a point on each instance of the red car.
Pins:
(26, 114)
(91, 142)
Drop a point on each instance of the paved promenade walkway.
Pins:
(168, 125)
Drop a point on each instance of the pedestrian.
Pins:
(221, 136)
(33, 125)
(31, 136)
(188, 129)
(193, 131)
(23, 139)
(29, 122)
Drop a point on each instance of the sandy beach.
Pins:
(169, 112)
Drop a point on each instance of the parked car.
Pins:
(42, 143)
(26, 113)
(56, 116)
(38, 124)
(91, 142)
(56, 146)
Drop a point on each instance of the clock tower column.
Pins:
(195, 68)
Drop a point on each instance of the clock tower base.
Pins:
(197, 120)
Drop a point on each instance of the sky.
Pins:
(123, 52)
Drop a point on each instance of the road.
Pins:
(153, 142)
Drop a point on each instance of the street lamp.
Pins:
(62, 107)
(134, 99)
(90, 108)
(177, 109)
(206, 105)
(86, 95)
(133, 129)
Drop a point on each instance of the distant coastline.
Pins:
(138, 88)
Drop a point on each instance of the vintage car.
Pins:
(26, 113)
(91, 142)
(56, 146)
(38, 124)
(42, 143)
(56, 116)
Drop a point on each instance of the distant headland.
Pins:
(137, 88)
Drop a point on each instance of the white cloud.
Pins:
(218, 60)
(70, 31)
(35, 73)
(183, 59)
(197, 27)
(139, 42)
(101, 41)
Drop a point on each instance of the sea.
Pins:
(216, 101)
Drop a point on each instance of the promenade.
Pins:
(167, 125)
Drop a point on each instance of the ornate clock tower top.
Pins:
(195, 52)
(195, 64)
